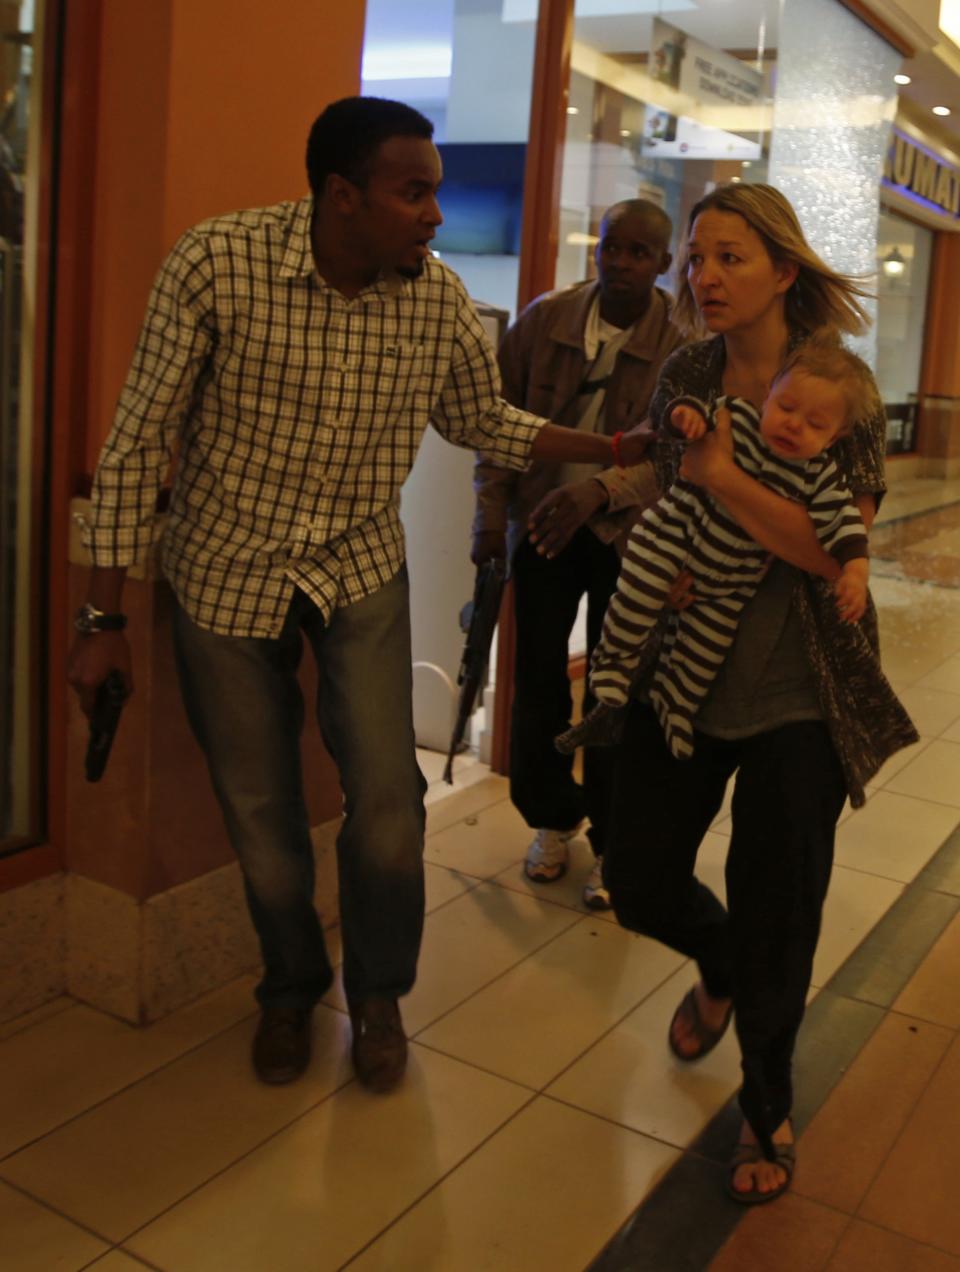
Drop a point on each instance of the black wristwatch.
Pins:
(89, 620)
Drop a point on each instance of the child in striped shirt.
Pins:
(820, 391)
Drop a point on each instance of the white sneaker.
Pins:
(595, 895)
(548, 856)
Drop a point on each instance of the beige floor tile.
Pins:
(793, 1235)
(865, 1248)
(452, 808)
(915, 1192)
(315, 1194)
(443, 885)
(932, 709)
(121, 1164)
(933, 775)
(711, 860)
(630, 1076)
(46, 1083)
(34, 1239)
(908, 655)
(470, 942)
(30, 1018)
(567, 890)
(432, 763)
(933, 992)
(724, 814)
(855, 904)
(946, 677)
(483, 843)
(896, 762)
(894, 835)
(544, 1013)
(849, 1138)
(952, 734)
(467, 772)
(546, 1192)
(117, 1261)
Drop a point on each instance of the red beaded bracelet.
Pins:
(615, 447)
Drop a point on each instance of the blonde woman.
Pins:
(782, 713)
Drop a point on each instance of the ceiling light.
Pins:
(572, 110)
(894, 263)
(747, 163)
(901, 79)
(941, 110)
(624, 132)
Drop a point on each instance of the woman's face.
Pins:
(735, 283)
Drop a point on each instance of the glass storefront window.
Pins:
(903, 271)
(663, 112)
(468, 66)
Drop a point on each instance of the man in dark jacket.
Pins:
(586, 357)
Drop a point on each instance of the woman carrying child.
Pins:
(798, 707)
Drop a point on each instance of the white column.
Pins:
(835, 101)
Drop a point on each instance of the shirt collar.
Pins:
(297, 260)
(297, 257)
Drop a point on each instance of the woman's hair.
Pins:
(826, 358)
(820, 297)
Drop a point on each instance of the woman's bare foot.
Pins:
(686, 1033)
(761, 1176)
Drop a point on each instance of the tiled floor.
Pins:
(542, 1106)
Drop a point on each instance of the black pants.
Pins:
(547, 596)
(789, 793)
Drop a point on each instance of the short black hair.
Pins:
(349, 132)
(653, 213)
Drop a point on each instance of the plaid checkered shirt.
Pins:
(295, 414)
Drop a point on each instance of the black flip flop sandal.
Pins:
(785, 1156)
(707, 1037)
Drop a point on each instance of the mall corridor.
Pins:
(544, 1126)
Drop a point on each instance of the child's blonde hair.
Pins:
(826, 358)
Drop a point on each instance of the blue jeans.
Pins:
(246, 710)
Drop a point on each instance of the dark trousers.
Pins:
(789, 793)
(547, 595)
(244, 703)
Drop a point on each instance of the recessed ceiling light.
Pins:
(902, 79)
(746, 164)
(572, 110)
(941, 110)
(624, 132)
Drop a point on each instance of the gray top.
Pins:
(793, 658)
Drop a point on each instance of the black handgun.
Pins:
(103, 723)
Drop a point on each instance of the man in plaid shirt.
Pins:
(294, 356)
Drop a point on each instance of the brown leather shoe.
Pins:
(379, 1043)
(281, 1045)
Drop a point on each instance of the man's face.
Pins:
(630, 255)
(397, 213)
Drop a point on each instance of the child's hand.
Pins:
(851, 594)
(688, 421)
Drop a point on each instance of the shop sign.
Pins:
(708, 78)
(922, 176)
